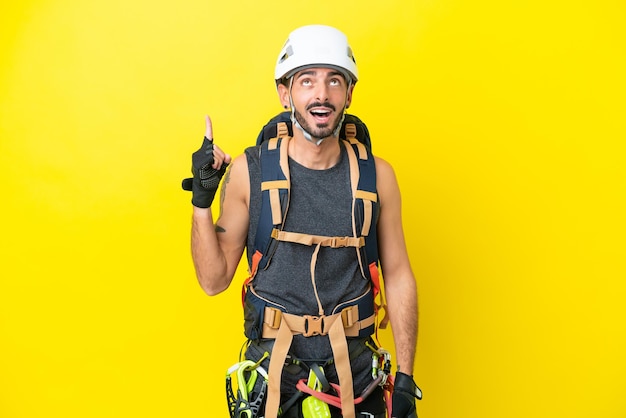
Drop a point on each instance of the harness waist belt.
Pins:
(309, 325)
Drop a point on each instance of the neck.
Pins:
(315, 157)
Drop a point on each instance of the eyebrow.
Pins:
(314, 72)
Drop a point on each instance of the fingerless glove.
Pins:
(206, 179)
(405, 391)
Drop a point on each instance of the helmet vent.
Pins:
(351, 55)
(287, 54)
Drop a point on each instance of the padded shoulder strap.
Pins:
(365, 213)
(365, 198)
(275, 187)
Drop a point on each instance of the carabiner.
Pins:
(241, 406)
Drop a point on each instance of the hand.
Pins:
(209, 164)
(405, 391)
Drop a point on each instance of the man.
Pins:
(307, 283)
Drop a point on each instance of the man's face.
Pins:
(319, 97)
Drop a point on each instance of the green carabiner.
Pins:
(248, 385)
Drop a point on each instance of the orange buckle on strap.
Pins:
(350, 316)
(273, 317)
(313, 325)
(338, 242)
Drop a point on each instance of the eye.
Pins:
(306, 82)
(335, 82)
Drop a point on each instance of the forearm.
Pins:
(403, 314)
(208, 258)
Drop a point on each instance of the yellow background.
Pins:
(505, 122)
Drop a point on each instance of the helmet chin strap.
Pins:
(307, 135)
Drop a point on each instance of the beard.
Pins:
(319, 130)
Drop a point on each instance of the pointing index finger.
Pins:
(208, 133)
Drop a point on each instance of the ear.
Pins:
(283, 95)
(349, 95)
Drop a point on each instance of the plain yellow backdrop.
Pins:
(505, 122)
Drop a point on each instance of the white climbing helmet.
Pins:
(314, 46)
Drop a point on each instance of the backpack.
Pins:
(276, 194)
(356, 318)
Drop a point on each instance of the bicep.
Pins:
(393, 255)
(232, 225)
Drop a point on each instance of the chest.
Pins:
(321, 200)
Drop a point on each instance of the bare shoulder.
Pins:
(383, 168)
(236, 180)
(240, 163)
(386, 182)
(234, 203)
(239, 166)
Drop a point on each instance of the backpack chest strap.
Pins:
(323, 241)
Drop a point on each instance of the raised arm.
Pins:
(217, 247)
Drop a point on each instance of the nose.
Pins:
(321, 93)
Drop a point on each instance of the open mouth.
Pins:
(321, 115)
